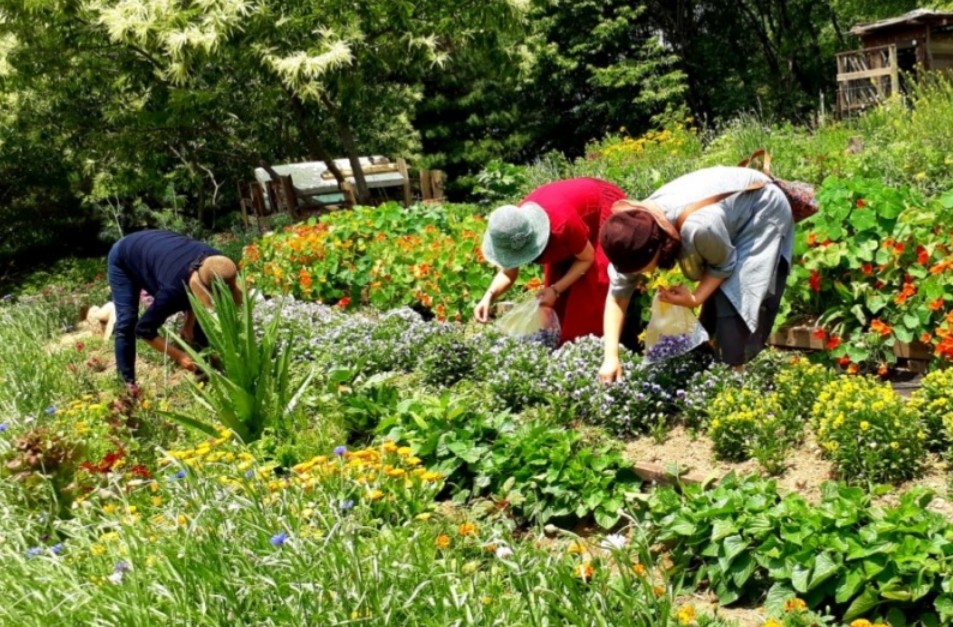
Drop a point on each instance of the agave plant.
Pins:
(251, 390)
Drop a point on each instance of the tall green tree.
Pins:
(349, 71)
(600, 65)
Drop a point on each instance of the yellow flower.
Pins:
(468, 529)
(861, 622)
(864, 425)
(157, 501)
(182, 519)
(639, 569)
(404, 451)
(425, 516)
(686, 615)
(389, 446)
(109, 508)
(97, 549)
(375, 495)
(795, 605)
(443, 541)
(772, 623)
(576, 548)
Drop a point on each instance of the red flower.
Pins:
(898, 248)
(815, 281)
(861, 203)
(923, 257)
(925, 338)
(811, 239)
(936, 305)
(853, 369)
(867, 269)
(883, 370)
(820, 334)
(844, 361)
(833, 343)
(80, 346)
(344, 302)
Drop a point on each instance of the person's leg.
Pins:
(772, 304)
(633, 326)
(125, 295)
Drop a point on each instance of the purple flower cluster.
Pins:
(669, 346)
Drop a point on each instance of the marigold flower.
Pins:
(795, 604)
(861, 622)
(467, 529)
(772, 623)
(443, 542)
(583, 571)
(686, 615)
(812, 239)
(639, 569)
(853, 369)
(925, 337)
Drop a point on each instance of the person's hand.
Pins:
(132, 390)
(547, 296)
(482, 311)
(678, 295)
(610, 371)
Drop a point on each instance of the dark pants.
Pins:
(633, 326)
(125, 295)
(734, 343)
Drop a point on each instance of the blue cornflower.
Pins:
(340, 450)
(249, 474)
(279, 538)
(181, 474)
(4, 427)
(57, 549)
(122, 566)
(33, 551)
(51, 410)
(346, 504)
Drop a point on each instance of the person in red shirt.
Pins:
(557, 225)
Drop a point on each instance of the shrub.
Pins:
(446, 359)
(868, 431)
(933, 401)
(750, 423)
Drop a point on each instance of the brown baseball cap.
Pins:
(631, 239)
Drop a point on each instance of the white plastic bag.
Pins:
(673, 330)
(531, 321)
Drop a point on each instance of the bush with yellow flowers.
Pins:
(933, 401)
(799, 382)
(868, 431)
(749, 423)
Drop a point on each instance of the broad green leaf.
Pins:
(851, 583)
(862, 605)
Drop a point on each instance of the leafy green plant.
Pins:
(846, 553)
(498, 182)
(253, 391)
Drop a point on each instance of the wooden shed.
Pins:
(919, 40)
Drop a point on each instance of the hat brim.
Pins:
(509, 259)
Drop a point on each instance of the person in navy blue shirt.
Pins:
(167, 266)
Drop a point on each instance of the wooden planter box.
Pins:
(802, 338)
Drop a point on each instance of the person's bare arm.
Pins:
(612, 321)
(503, 281)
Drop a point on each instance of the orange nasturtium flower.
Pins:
(880, 327)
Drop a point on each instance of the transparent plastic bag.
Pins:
(673, 330)
(530, 321)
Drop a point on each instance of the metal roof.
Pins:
(919, 16)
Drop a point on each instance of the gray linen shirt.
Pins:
(739, 239)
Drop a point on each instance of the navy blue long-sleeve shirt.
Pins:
(161, 263)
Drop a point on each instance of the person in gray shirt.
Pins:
(738, 247)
